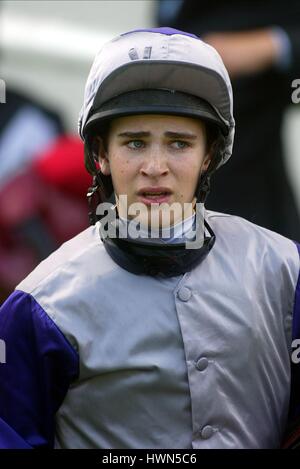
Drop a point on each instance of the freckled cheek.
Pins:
(187, 173)
(187, 178)
(123, 173)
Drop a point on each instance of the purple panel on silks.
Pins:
(167, 31)
(295, 366)
(39, 366)
(296, 315)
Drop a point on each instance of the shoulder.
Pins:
(75, 258)
(267, 254)
(66, 284)
(232, 228)
(261, 258)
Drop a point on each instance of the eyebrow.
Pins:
(181, 135)
(178, 135)
(134, 134)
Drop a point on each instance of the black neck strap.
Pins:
(167, 260)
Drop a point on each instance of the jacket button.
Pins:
(202, 364)
(207, 432)
(184, 294)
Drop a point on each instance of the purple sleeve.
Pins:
(295, 367)
(37, 365)
(296, 315)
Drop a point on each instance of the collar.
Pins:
(158, 256)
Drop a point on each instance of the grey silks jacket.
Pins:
(97, 357)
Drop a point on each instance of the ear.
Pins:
(206, 161)
(102, 157)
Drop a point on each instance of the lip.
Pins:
(159, 199)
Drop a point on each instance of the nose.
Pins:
(155, 163)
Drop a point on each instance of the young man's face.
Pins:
(155, 159)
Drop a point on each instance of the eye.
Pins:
(180, 144)
(135, 144)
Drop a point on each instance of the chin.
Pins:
(158, 216)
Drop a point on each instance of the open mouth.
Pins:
(154, 195)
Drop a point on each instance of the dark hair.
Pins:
(91, 147)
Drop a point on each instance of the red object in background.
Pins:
(62, 166)
(52, 194)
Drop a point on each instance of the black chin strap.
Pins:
(94, 199)
(203, 186)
